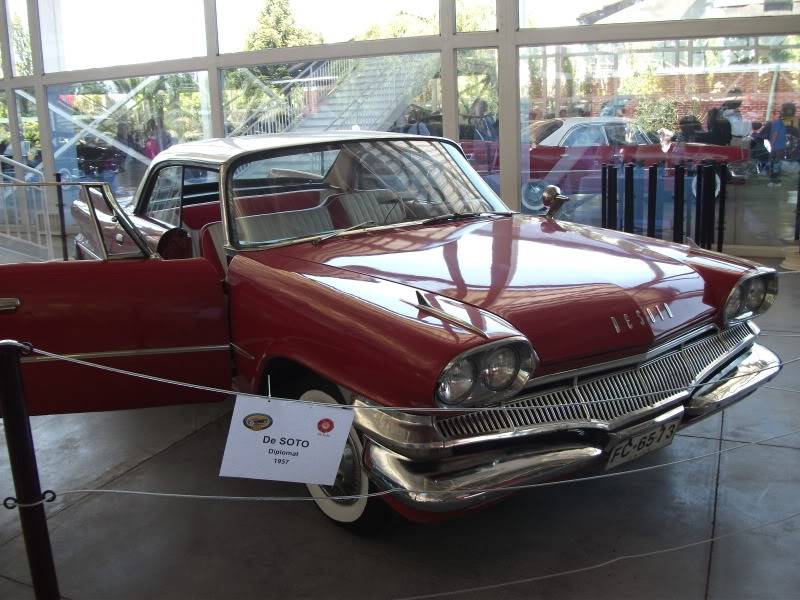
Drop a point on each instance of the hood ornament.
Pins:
(553, 199)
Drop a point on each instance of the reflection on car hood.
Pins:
(574, 291)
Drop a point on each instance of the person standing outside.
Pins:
(151, 145)
(783, 138)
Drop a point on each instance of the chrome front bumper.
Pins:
(458, 482)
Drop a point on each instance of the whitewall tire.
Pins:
(351, 479)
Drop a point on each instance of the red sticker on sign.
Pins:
(325, 425)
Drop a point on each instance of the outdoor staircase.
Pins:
(369, 93)
(374, 95)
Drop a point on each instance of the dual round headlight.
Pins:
(456, 382)
(750, 297)
(485, 373)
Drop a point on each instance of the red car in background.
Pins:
(569, 152)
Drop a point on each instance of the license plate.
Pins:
(641, 444)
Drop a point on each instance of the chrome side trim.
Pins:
(622, 362)
(130, 353)
(9, 304)
(242, 352)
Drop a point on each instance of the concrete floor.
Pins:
(132, 547)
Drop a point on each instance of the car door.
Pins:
(131, 310)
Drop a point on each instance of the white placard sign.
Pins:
(285, 441)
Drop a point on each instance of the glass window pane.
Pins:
(110, 130)
(27, 117)
(19, 36)
(476, 15)
(666, 103)
(478, 102)
(535, 13)
(258, 24)
(165, 198)
(84, 34)
(384, 93)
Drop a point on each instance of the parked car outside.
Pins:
(570, 152)
(380, 271)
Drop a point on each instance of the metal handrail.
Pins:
(10, 178)
(24, 167)
(279, 114)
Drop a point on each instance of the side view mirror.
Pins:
(553, 199)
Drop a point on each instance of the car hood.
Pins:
(573, 291)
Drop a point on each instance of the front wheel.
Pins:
(361, 514)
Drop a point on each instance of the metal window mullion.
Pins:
(5, 42)
(448, 73)
(48, 166)
(212, 71)
(508, 93)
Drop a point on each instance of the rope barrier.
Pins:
(624, 557)
(395, 490)
(465, 409)
(784, 335)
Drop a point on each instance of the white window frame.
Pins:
(508, 38)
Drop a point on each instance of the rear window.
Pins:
(539, 130)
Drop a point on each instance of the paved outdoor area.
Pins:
(134, 547)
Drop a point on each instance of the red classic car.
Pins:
(569, 152)
(379, 270)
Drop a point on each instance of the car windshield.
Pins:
(319, 190)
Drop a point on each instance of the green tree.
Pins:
(477, 78)
(276, 28)
(251, 89)
(403, 24)
(474, 17)
(21, 42)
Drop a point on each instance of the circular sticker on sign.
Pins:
(325, 425)
(257, 421)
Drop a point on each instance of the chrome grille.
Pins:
(609, 397)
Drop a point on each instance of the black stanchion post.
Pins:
(723, 197)
(698, 204)
(629, 199)
(652, 191)
(678, 205)
(611, 220)
(22, 458)
(604, 196)
(709, 201)
(61, 219)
